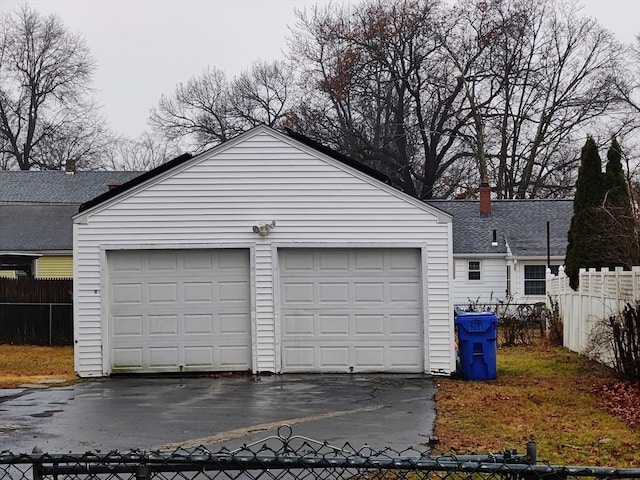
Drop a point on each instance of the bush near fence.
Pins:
(36, 311)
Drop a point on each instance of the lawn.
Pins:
(21, 364)
(542, 393)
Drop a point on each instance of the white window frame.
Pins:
(536, 281)
(477, 271)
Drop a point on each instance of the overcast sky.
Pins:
(144, 48)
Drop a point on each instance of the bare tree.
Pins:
(386, 91)
(45, 72)
(143, 153)
(198, 111)
(554, 71)
(418, 89)
(262, 95)
(210, 109)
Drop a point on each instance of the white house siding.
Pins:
(491, 287)
(214, 200)
(518, 279)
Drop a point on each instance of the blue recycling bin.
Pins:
(477, 333)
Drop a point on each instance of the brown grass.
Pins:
(20, 364)
(542, 393)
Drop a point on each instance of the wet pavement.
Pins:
(395, 411)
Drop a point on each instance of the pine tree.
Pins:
(620, 226)
(584, 235)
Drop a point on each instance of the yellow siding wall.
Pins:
(55, 266)
(7, 274)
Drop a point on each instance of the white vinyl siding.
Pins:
(491, 287)
(214, 201)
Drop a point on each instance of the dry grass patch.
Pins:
(30, 364)
(542, 393)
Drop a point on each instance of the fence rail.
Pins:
(600, 294)
(286, 456)
(36, 323)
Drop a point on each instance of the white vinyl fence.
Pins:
(600, 295)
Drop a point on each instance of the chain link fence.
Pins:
(290, 457)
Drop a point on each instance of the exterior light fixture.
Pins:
(263, 228)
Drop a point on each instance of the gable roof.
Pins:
(32, 227)
(520, 224)
(298, 137)
(54, 186)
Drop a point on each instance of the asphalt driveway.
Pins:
(381, 411)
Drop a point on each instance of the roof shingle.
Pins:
(522, 224)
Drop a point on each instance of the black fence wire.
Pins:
(290, 457)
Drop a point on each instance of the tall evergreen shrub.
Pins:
(622, 248)
(584, 235)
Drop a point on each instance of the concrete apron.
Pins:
(380, 411)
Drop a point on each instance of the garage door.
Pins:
(179, 310)
(351, 310)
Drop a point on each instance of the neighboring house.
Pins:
(36, 210)
(500, 247)
(268, 253)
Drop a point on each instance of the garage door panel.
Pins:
(173, 314)
(369, 357)
(369, 324)
(369, 292)
(332, 324)
(233, 324)
(198, 324)
(332, 261)
(162, 292)
(127, 358)
(234, 356)
(333, 292)
(233, 291)
(404, 292)
(368, 261)
(296, 325)
(299, 358)
(127, 293)
(403, 357)
(127, 325)
(197, 292)
(126, 262)
(195, 261)
(298, 293)
(162, 261)
(343, 310)
(198, 357)
(401, 324)
(163, 357)
(333, 356)
(163, 325)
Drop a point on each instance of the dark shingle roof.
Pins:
(37, 207)
(521, 223)
(32, 227)
(54, 186)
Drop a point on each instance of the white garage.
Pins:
(267, 253)
(351, 310)
(176, 310)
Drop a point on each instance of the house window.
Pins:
(535, 282)
(473, 270)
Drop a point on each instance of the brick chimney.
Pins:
(70, 167)
(485, 198)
